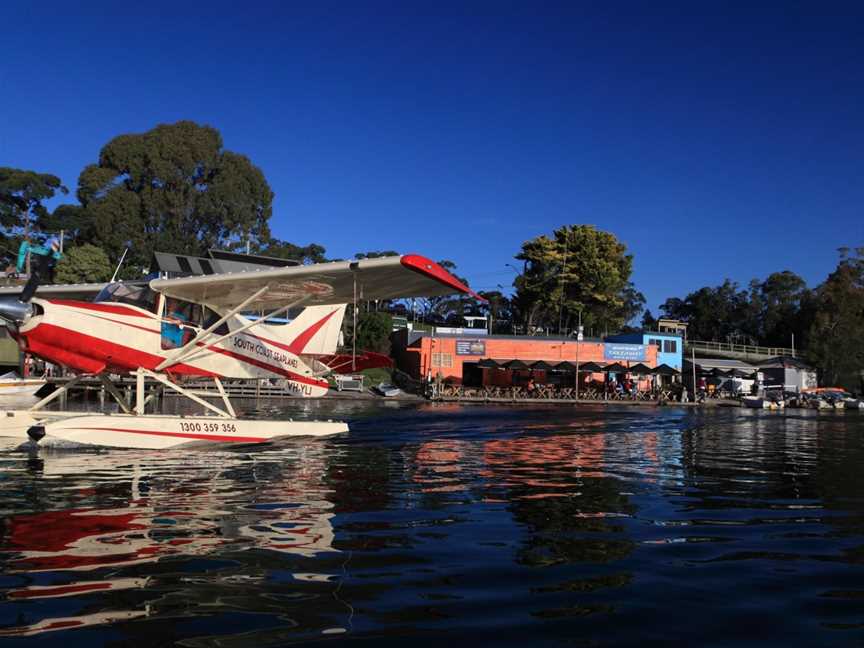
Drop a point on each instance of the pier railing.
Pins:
(739, 349)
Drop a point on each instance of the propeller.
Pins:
(14, 311)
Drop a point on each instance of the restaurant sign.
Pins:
(470, 347)
(624, 352)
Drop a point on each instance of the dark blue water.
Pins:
(492, 525)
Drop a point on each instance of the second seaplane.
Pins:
(166, 330)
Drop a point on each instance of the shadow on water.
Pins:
(501, 525)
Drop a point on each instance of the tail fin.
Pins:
(315, 331)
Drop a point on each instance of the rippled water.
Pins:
(501, 526)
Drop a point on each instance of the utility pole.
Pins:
(27, 238)
(578, 341)
(563, 270)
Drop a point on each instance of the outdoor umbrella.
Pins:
(615, 367)
(515, 364)
(541, 365)
(566, 365)
(488, 363)
(666, 370)
(590, 367)
(640, 369)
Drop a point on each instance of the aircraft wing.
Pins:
(65, 291)
(320, 283)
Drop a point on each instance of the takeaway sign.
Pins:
(624, 352)
(470, 347)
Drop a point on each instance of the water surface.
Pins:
(496, 525)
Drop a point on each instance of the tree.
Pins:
(837, 333)
(498, 309)
(769, 312)
(306, 254)
(375, 255)
(716, 313)
(783, 299)
(173, 189)
(580, 269)
(83, 264)
(649, 322)
(373, 332)
(21, 196)
(451, 309)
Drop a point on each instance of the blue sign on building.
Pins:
(635, 352)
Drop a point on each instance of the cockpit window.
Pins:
(138, 295)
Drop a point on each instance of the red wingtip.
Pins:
(431, 269)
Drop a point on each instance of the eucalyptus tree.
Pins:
(174, 188)
(577, 271)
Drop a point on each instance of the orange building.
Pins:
(456, 357)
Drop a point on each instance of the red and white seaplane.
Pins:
(167, 329)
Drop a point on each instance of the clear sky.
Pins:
(714, 141)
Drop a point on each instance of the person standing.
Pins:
(43, 259)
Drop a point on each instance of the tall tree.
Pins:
(498, 309)
(21, 196)
(769, 312)
(837, 333)
(305, 254)
(174, 189)
(375, 255)
(579, 269)
(713, 313)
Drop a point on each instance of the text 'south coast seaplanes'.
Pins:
(167, 329)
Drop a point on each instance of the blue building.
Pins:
(670, 346)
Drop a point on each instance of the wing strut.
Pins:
(178, 355)
(195, 347)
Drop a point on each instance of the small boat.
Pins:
(387, 389)
(758, 402)
(12, 385)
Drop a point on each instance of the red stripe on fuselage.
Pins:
(117, 309)
(113, 355)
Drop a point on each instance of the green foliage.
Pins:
(22, 193)
(769, 313)
(375, 255)
(837, 333)
(172, 189)
(83, 264)
(312, 253)
(498, 309)
(451, 309)
(373, 332)
(578, 269)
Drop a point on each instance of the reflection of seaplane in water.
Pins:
(134, 330)
(155, 514)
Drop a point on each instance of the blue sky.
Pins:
(714, 141)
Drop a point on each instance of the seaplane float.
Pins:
(166, 330)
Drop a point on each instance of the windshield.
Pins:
(138, 295)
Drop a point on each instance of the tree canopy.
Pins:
(579, 269)
(84, 264)
(22, 193)
(837, 333)
(173, 189)
(770, 312)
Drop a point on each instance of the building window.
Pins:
(656, 343)
(442, 360)
(670, 346)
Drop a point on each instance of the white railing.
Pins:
(744, 349)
